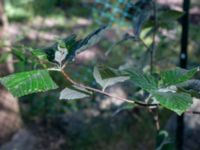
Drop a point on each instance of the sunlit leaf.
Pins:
(177, 75)
(24, 83)
(177, 102)
(60, 54)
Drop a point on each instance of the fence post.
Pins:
(183, 64)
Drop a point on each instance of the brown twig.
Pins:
(152, 50)
(105, 93)
(193, 112)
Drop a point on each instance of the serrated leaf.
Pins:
(70, 94)
(177, 102)
(144, 81)
(24, 83)
(111, 80)
(177, 75)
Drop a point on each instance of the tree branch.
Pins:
(105, 93)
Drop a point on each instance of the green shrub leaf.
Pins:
(73, 46)
(144, 81)
(24, 83)
(177, 75)
(170, 15)
(177, 102)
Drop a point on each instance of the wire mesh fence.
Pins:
(113, 12)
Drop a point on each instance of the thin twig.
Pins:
(152, 50)
(193, 112)
(105, 93)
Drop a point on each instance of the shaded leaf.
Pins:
(87, 42)
(170, 15)
(4, 57)
(163, 141)
(73, 46)
(177, 102)
(24, 83)
(191, 87)
(40, 54)
(69, 43)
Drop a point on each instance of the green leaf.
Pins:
(177, 102)
(19, 53)
(24, 83)
(4, 57)
(70, 94)
(170, 15)
(39, 54)
(73, 46)
(69, 43)
(177, 75)
(107, 77)
(90, 40)
(144, 81)
(191, 87)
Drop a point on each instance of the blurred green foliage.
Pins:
(21, 10)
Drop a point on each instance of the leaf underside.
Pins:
(70, 94)
(111, 79)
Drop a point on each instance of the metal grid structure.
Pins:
(112, 12)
